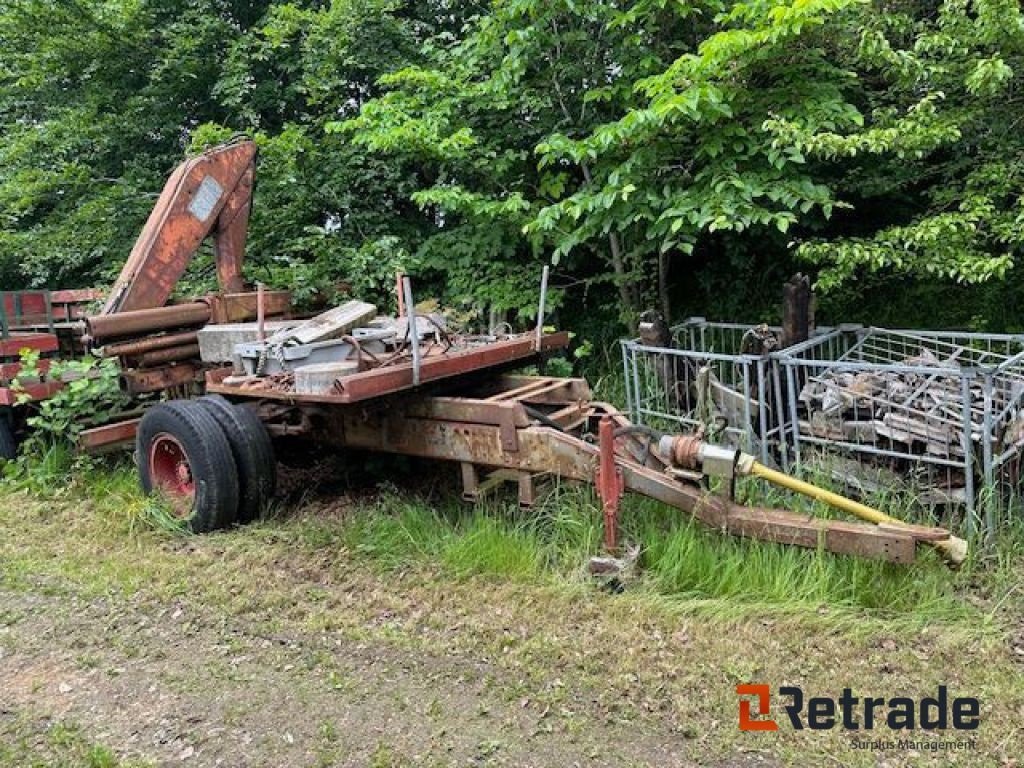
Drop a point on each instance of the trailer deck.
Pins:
(503, 428)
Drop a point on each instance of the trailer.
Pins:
(463, 403)
(403, 385)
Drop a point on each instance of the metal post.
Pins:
(780, 415)
(792, 395)
(762, 411)
(637, 416)
(988, 471)
(412, 329)
(399, 287)
(610, 485)
(261, 313)
(630, 405)
(965, 442)
(541, 307)
(748, 426)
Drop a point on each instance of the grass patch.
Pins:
(503, 588)
(681, 559)
(33, 742)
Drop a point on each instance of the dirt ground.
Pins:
(269, 646)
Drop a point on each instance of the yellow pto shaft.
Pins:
(953, 549)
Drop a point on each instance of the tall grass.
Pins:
(679, 557)
(397, 530)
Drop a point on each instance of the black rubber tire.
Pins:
(253, 453)
(209, 457)
(8, 442)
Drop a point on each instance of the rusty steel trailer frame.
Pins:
(522, 429)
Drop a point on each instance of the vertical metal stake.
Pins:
(965, 443)
(543, 302)
(988, 470)
(261, 313)
(412, 329)
(610, 485)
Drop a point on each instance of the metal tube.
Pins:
(748, 426)
(543, 302)
(169, 355)
(261, 314)
(988, 471)
(141, 321)
(762, 410)
(413, 330)
(780, 414)
(965, 442)
(631, 405)
(636, 383)
(133, 348)
(792, 395)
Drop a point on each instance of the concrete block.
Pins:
(217, 342)
(318, 379)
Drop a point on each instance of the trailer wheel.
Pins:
(8, 442)
(182, 451)
(253, 453)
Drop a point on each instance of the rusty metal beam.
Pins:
(140, 381)
(546, 450)
(38, 342)
(362, 386)
(10, 396)
(134, 348)
(145, 321)
(109, 437)
(238, 307)
(169, 355)
(198, 193)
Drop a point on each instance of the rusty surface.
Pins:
(389, 380)
(135, 348)
(609, 483)
(9, 370)
(147, 320)
(11, 396)
(109, 437)
(76, 295)
(239, 307)
(208, 194)
(10, 348)
(508, 417)
(407, 429)
(139, 381)
(685, 451)
(568, 390)
(169, 355)
(362, 386)
(69, 305)
(24, 309)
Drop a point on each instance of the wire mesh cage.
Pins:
(943, 409)
(719, 377)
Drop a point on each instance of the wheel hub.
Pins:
(171, 472)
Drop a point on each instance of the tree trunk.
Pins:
(629, 293)
(663, 296)
(796, 310)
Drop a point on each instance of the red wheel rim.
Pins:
(171, 472)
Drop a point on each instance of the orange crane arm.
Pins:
(206, 195)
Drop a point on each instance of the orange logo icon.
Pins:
(763, 693)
